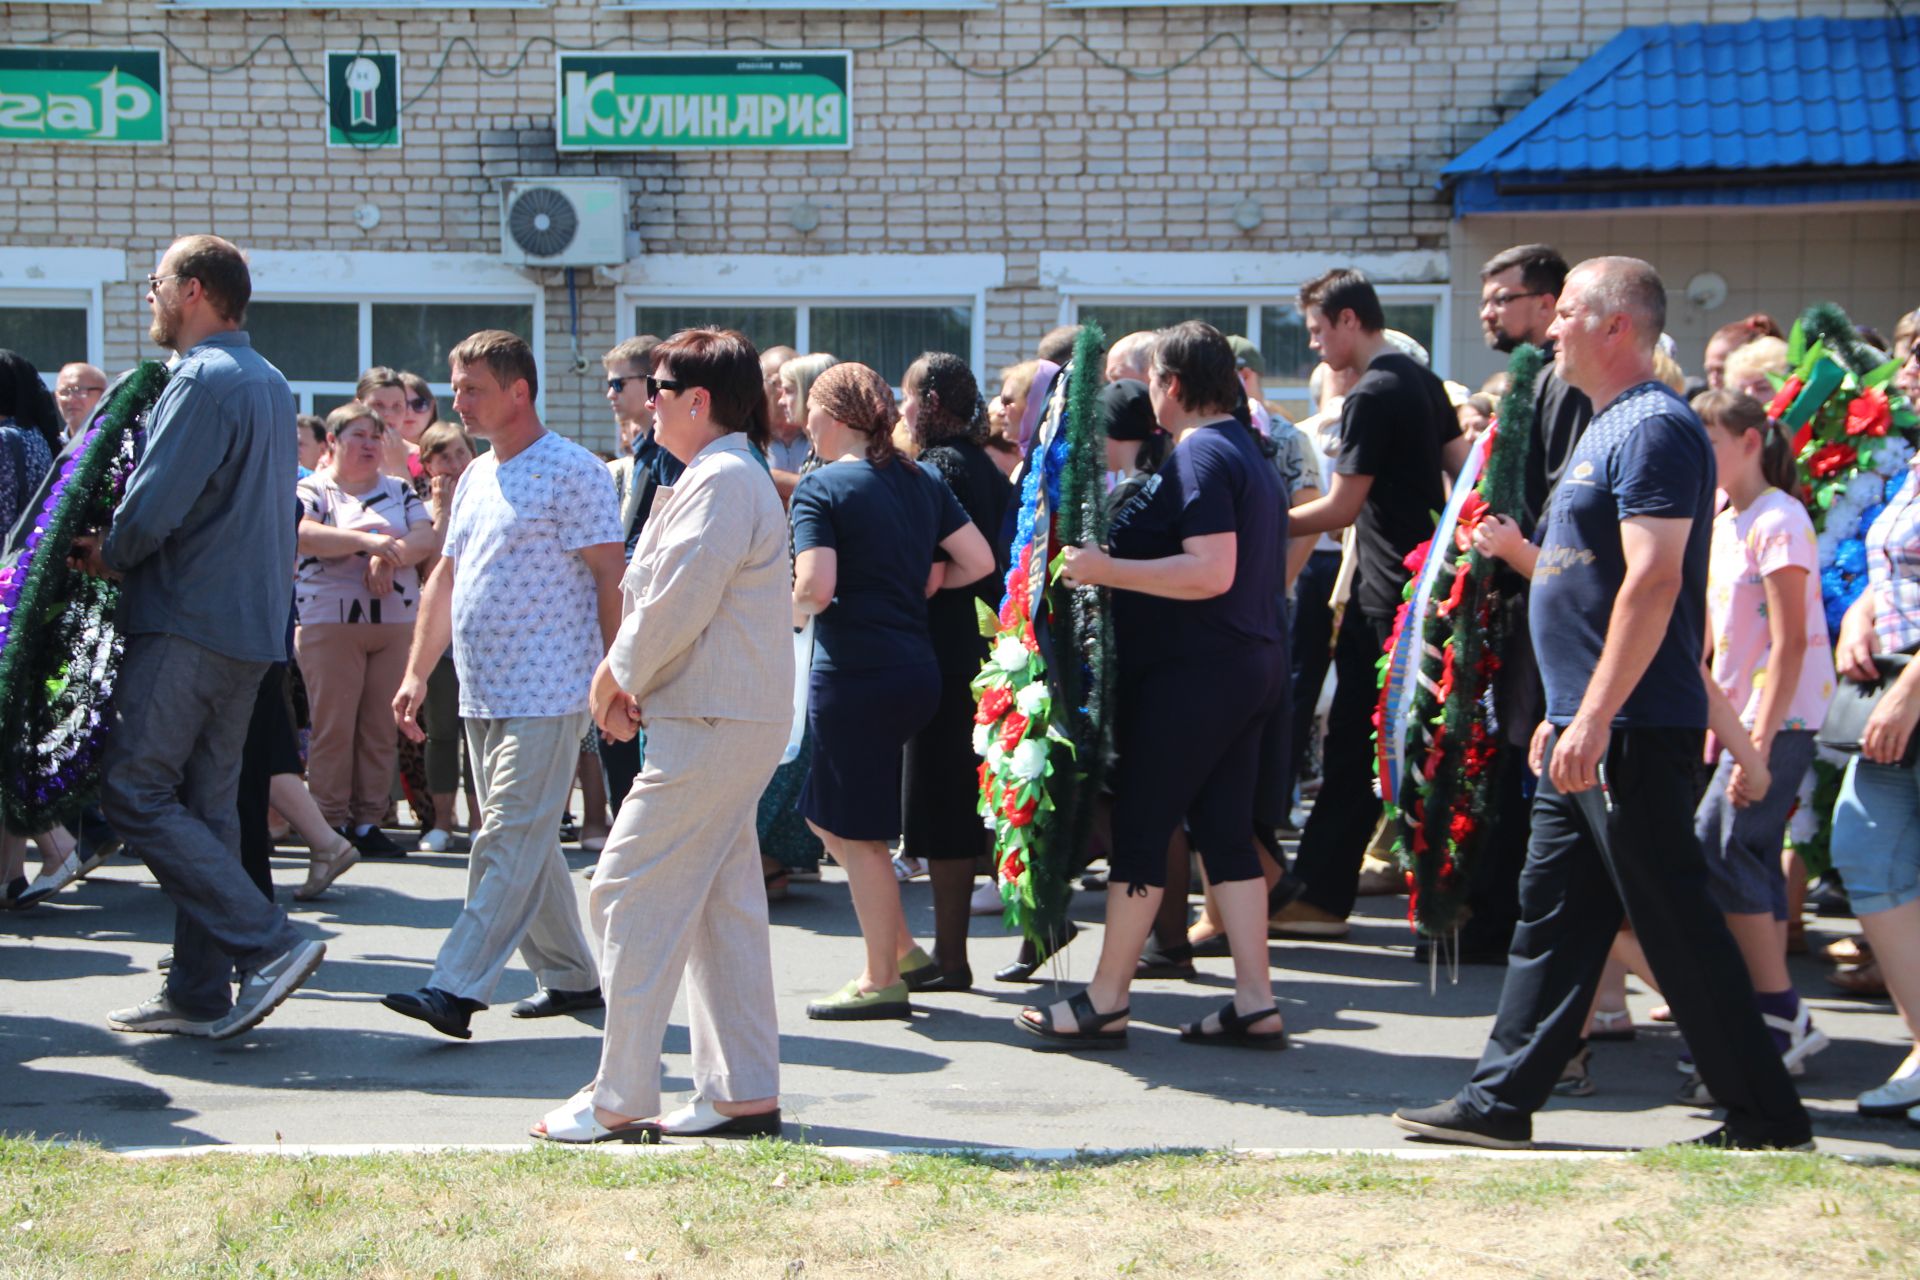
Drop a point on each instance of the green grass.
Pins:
(776, 1209)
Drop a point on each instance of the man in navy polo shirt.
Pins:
(1619, 595)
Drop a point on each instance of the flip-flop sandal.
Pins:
(1089, 1026)
(573, 1124)
(1234, 1030)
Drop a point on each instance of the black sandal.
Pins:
(1234, 1030)
(1166, 962)
(1087, 1033)
(1023, 969)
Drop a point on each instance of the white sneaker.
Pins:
(262, 990)
(986, 899)
(1900, 1093)
(159, 1015)
(436, 841)
(1803, 1038)
(907, 868)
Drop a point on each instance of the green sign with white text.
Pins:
(112, 96)
(705, 101)
(363, 99)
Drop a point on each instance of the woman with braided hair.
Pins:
(940, 792)
(874, 537)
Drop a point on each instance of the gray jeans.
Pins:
(171, 778)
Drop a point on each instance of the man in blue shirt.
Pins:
(1618, 604)
(203, 541)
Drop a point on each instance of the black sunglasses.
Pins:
(656, 385)
(617, 385)
(420, 404)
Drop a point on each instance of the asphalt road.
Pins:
(1372, 1031)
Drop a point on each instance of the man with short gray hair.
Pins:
(78, 391)
(1618, 610)
(1129, 357)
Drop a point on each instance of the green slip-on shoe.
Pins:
(851, 1004)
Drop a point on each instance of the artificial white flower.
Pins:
(1009, 654)
(982, 738)
(1032, 700)
(1030, 759)
(1866, 487)
(995, 754)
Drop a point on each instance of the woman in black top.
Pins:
(869, 528)
(940, 790)
(1196, 568)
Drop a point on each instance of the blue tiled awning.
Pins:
(1785, 111)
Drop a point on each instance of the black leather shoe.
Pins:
(441, 1010)
(551, 1004)
(374, 844)
(1165, 962)
(1029, 961)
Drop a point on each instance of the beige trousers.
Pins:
(679, 889)
(519, 895)
(352, 670)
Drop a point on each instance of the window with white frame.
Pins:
(47, 326)
(881, 310)
(324, 318)
(884, 335)
(1251, 294)
(322, 345)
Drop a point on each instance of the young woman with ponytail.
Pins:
(873, 536)
(1770, 655)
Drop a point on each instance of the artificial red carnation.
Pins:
(1832, 459)
(1472, 511)
(1018, 815)
(1460, 828)
(1783, 400)
(993, 705)
(1869, 414)
(1012, 867)
(1012, 729)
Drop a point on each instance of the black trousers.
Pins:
(1343, 818)
(1586, 867)
(1312, 652)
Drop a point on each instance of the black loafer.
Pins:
(442, 1010)
(374, 844)
(551, 1004)
(1451, 1122)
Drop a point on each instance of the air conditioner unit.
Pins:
(563, 222)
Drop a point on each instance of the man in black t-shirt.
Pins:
(1398, 432)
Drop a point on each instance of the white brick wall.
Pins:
(1069, 155)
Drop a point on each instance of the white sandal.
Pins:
(573, 1123)
(323, 870)
(698, 1119)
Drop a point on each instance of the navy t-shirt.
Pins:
(1646, 455)
(885, 526)
(1214, 481)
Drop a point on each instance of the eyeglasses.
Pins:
(656, 385)
(1503, 299)
(420, 404)
(74, 393)
(154, 282)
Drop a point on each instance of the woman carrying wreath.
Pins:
(874, 536)
(704, 654)
(1197, 575)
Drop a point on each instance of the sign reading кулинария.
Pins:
(114, 96)
(704, 101)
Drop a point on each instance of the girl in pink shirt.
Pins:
(1768, 654)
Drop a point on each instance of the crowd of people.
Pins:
(748, 640)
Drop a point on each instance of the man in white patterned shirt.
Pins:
(528, 591)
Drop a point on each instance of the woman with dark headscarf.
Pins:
(940, 791)
(873, 537)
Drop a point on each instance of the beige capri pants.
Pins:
(679, 889)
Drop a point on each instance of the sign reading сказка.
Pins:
(114, 96)
(705, 101)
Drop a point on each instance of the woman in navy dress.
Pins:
(1195, 563)
(873, 536)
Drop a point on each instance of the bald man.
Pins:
(78, 390)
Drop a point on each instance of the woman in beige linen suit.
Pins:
(705, 655)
